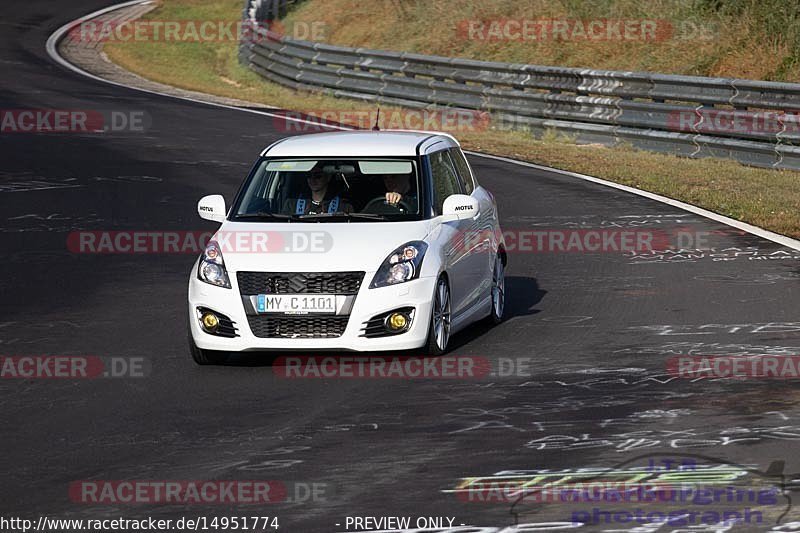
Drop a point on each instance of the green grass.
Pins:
(766, 198)
(757, 39)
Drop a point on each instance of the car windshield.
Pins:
(331, 190)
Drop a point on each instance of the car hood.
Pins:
(313, 247)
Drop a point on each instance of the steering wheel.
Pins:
(384, 207)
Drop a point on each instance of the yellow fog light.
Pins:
(210, 321)
(397, 321)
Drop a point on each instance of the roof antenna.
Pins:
(377, 118)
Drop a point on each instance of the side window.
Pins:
(463, 170)
(445, 180)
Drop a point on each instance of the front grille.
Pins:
(298, 326)
(299, 282)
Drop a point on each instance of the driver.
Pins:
(323, 199)
(398, 188)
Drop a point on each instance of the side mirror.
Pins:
(459, 207)
(212, 208)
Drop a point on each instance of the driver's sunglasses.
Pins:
(315, 176)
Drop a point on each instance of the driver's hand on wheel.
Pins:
(393, 197)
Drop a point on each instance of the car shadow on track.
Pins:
(522, 294)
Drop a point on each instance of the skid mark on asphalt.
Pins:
(34, 185)
(129, 179)
(54, 222)
(764, 278)
(595, 221)
(750, 253)
(765, 328)
(712, 348)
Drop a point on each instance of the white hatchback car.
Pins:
(365, 241)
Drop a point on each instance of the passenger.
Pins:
(323, 198)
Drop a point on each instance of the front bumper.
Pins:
(368, 303)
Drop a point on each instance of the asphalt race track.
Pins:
(598, 328)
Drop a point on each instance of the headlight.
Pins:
(402, 265)
(212, 267)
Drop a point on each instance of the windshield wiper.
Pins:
(346, 216)
(263, 215)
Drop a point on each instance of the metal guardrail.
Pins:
(684, 115)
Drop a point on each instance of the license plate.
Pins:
(299, 304)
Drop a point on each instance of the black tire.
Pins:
(498, 273)
(205, 357)
(434, 345)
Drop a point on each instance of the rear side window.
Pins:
(463, 170)
(445, 179)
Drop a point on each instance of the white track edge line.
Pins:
(52, 51)
(744, 226)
